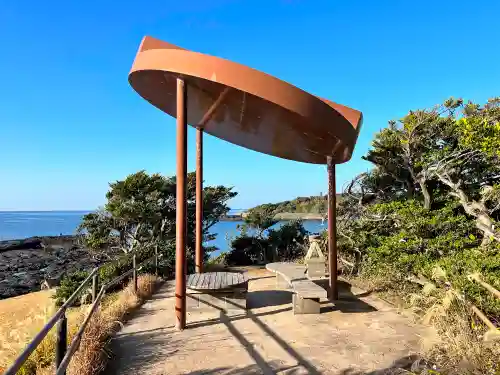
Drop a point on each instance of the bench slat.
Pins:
(212, 280)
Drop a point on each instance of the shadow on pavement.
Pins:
(348, 301)
(274, 367)
(403, 366)
(259, 361)
(149, 346)
(265, 298)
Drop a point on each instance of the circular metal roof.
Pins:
(245, 106)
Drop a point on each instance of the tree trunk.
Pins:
(484, 221)
(426, 193)
(410, 189)
(421, 180)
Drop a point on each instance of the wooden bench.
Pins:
(307, 294)
(226, 291)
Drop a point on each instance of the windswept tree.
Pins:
(402, 150)
(428, 213)
(260, 219)
(448, 151)
(471, 170)
(140, 213)
(448, 159)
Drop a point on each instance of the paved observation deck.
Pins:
(356, 336)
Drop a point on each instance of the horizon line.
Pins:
(3, 210)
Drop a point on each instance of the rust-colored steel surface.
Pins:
(199, 202)
(181, 207)
(333, 292)
(248, 108)
(245, 106)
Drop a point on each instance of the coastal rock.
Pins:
(28, 243)
(31, 269)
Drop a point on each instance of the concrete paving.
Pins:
(360, 335)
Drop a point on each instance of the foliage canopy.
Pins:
(431, 201)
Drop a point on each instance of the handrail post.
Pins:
(95, 286)
(134, 273)
(62, 339)
(156, 260)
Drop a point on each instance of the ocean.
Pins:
(16, 225)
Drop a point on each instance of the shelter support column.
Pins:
(199, 201)
(181, 207)
(199, 178)
(333, 293)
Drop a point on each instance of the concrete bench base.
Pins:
(307, 294)
(316, 268)
(305, 305)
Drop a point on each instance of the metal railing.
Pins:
(64, 354)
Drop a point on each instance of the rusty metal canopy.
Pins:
(245, 106)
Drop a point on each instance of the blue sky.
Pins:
(70, 122)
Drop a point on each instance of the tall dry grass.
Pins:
(91, 357)
(459, 346)
(456, 345)
(20, 318)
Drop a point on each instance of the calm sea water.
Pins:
(15, 225)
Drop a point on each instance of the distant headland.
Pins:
(301, 208)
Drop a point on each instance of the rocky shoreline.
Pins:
(36, 263)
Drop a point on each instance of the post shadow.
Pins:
(301, 361)
(348, 302)
(267, 298)
(247, 370)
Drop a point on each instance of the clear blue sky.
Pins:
(70, 122)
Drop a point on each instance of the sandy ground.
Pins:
(360, 335)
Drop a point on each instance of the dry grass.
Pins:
(20, 318)
(91, 357)
(459, 345)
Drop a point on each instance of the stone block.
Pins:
(305, 305)
(315, 268)
(281, 283)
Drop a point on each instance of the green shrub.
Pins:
(410, 239)
(219, 259)
(114, 269)
(69, 284)
(111, 270)
(246, 250)
(285, 243)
